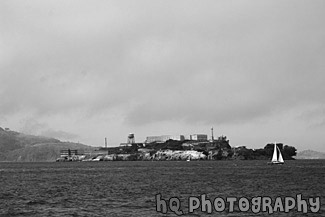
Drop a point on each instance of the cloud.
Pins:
(314, 116)
(59, 134)
(35, 127)
(32, 126)
(143, 63)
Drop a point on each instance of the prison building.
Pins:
(164, 138)
(199, 137)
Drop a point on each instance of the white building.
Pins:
(164, 138)
(199, 137)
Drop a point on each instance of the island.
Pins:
(178, 150)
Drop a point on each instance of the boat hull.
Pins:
(275, 163)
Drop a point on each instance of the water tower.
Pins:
(131, 138)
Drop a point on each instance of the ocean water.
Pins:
(130, 188)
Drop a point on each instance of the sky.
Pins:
(81, 71)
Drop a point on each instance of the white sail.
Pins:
(280, 156)
(275, 154)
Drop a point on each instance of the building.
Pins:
(136, 145)
(68, 153)
(164, 138)
(131, 138)
(199, 137)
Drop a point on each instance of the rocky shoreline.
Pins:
(161, 155)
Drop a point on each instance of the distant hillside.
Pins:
(15, 146)
(310, 154)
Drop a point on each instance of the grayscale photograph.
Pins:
(162, 108)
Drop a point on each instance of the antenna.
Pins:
(105, 142)
(212, 134)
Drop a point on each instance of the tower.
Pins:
(212, 138)
(131, 138)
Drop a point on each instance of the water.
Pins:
(129, 188)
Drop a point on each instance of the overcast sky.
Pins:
(86, 70)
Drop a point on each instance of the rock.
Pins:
(178, 155)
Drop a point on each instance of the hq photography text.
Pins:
(259, 204)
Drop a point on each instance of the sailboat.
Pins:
(275, 158)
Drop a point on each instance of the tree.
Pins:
(289, 152)
(269, 148)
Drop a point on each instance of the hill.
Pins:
(310, 154)
(15, 146)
